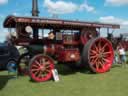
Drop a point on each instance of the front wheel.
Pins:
(40, 68)
(98, 55)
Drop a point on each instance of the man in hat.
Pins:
(51, 35)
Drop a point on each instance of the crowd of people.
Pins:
(120, 55)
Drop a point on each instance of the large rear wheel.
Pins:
(98, 55)
(40, 68)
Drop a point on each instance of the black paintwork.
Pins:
(7, 53)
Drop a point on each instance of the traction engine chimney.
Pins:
(35, 12)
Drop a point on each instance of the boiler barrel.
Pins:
(50, 49)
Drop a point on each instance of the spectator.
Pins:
(116, 57)
(122, 55)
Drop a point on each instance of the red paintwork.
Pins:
(68, 55)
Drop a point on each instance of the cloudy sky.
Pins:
(106, 11)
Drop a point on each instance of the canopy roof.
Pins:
(11, 21)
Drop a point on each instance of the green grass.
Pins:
(72, 83)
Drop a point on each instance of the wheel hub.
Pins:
(42, 68)
(100, 55)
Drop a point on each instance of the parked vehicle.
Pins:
(8, 55)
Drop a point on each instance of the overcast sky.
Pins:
(106, 11)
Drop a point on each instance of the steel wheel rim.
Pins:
(41, 68)
(101, 55)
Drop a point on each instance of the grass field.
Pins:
(72, 83)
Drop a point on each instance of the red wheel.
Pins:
(41, 68)
(98, 54)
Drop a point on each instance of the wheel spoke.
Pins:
(93, 52)
(99, 46)
(97, 50)
(93, 57)
(40, 74)
(36, 73)
(34, 70)
(47, 71)
(47, 67)
(101, 64)
(97, 65)
(44, 73)
(106, 53)
(37, 63)
(95, 60)
(103, 48)
(102, 61)
(106, 60)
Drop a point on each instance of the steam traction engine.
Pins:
(74, 42)
(69, 42)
